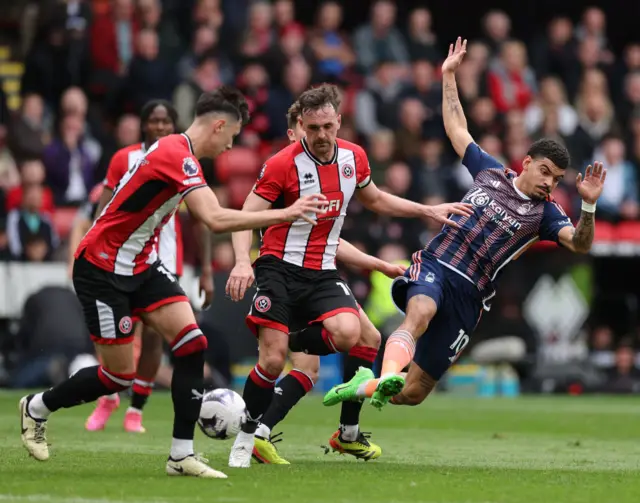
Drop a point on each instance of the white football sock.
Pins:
(263, 431)
(181, 448)
(349, 432)
(37, 409)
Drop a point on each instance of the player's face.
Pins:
(321, 128)
(225, 130)
(158, 125)
(541, 176)
(295, 134)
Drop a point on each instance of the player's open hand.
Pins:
(441, 212)
(306, 205)
(240, 280)
(591, 186)
(456, 54)
(391, 270)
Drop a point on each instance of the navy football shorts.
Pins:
(459, 309)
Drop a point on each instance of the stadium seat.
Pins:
(63, 221)
(627, 232)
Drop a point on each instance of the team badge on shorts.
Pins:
(263, 304)
(125, 324)
(189, 167)
(347, 171)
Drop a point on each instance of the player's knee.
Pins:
(189, 340)
(273, 353)
(115, 381)
(420, 311)
(370, 336)
(344, 329)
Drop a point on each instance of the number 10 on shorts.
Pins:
(458, 345)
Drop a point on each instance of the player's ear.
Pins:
(300, 122)
(291, 135)
(339, 120)
(526, 162)
(218, 125)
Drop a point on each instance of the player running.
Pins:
(296, 278)
(158, 118)
(117, 275)
(454, 277)
(299, 381)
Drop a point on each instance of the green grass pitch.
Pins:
(448, 450)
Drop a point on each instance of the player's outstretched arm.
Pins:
(350, 255)
(204, 205)
(579, 239)
(455, 123)
(242, 276)
(383, 203)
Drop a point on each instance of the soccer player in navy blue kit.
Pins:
(452, 280)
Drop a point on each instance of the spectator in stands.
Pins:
(411, 115)
(32, 237)
(554, 53)
(284, 16)
(594, 26)
(596, 118)
(629, 99)
(601, 354)
(434, 175)
(205, 40)
(331, 49)
(377, 103)
(290, 47)
(625, 376)
(472, 82)
(512, 83)
(619, 199)
(9, 176)
(150, 76)
(28, 133)
(205, 77)
(381, 151)
(113, 44)
(296, 78)
(254, 84)
(552, 96)
(208, 13)
(380, 40)
(422, 42)
(31, 173)
(70, 161)
(497, 29)
(74, 102)
(151, 18)
(259, 37)
(127, 133)
(425, 87)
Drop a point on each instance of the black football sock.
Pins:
(140, 392)
(293, 386)
(313, 340)
(187, 387)
(257, 395)
(86, 385)
(359, 356)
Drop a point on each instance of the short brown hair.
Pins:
(319, 97)
(293, 114)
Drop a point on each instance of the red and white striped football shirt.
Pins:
(295, 172)
(170, 250)
(123, 238)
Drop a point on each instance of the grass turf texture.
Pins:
(448, 450)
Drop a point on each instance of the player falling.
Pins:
(158, 119)
(296, 278)
(299, 381)
(454, 277)
(117, 275)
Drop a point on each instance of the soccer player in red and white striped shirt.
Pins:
(117, 275)
(296, 278)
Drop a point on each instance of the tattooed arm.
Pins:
(455, 123)
(578, 239)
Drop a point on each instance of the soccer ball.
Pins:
(222, 414)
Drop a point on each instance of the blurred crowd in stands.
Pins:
(90, 65)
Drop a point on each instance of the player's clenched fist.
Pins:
(313, 203)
